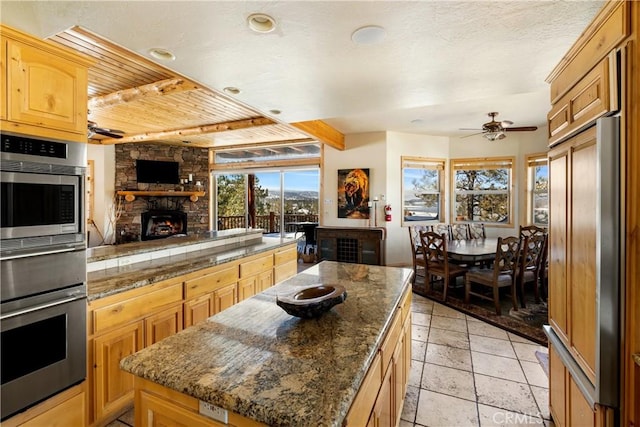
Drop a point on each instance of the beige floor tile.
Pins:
(535, 374)
(505, 394)
(422, 319)
(487, 330)
(404, 423)
(497, 366)
(490, 345)
(419, 333)
(440, 410)
(448, 356)
(450, 338)
(453, 382)
(415, 373)
(443, 310)
(491, 416)
(518, 338)
(451, 324)
(528, 351)
(541, 395)
(422, 305)
(418, 350)
(473, 319)
(410, 404)
(128, 417)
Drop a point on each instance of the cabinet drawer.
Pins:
(210, 282)
(405, 306)
(137, 307)
(256, 266)
(593, 97)
(284, 256)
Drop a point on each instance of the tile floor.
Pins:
(465, 372)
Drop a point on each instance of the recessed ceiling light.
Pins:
(274, 111)
(261, 23)
(231, 90)
(162, 54)
(369, 34)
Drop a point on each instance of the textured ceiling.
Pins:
(442, 64)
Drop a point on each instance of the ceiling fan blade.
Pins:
(108, 132)
(473, 134)
(522, 129)
(469, 129)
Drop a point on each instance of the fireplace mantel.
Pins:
(130, 195)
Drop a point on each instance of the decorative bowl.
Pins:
(312, 301)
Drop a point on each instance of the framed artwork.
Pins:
(353, 193)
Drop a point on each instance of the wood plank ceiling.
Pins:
(153, 104)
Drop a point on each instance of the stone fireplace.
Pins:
(159, 224)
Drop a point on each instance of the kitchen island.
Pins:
(256, 365)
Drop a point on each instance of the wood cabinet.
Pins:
(125, 323)
(598, 76)
(285, 264)
(120, 325)
(67, 408)
(356, 245)
(46, 88)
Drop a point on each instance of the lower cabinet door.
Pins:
(225, 297)
(383, 411)
(198, 309)
(113, 388)
(162, 325)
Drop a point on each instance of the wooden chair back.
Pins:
(476, 231)
(507, 256)
(442, 229)
(530, 230)
(459, 232)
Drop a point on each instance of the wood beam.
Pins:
(322, 131)
(197, 130)
(162, 87)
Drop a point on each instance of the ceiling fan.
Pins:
(94, 129)
(494, 130)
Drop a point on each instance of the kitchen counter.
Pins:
(110, 281)
(255, 360)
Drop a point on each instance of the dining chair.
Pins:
(530, 230)
(529, 270)
(476, 231)
(459, 231)
(416, 249)
(436, 260)
(503, 274)
(442, 228)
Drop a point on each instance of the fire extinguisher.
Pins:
(387, 213)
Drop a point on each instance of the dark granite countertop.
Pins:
(256, 360)
(111, 281)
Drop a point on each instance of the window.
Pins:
(482, 190)
(537, 190)
(422, 189)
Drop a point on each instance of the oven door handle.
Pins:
(40, 307)
(51, 252)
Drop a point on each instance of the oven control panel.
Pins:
(34, 147)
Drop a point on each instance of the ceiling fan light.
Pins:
(494, 136)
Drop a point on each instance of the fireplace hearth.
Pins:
(159, 224)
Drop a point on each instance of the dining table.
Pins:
(472, 251)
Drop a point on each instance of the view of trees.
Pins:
(421, 194)
(482, 195)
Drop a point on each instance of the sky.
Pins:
(308, 180)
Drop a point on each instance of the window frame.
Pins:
(505, 162)
(531, 162)
(430, 163)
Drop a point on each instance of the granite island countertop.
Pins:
(111, 281)
(256, 360)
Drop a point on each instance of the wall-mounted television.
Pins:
(157, 172)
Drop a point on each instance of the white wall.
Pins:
(104, 158)
(381, 153)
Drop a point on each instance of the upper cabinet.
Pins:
(584, 85)
(44, 88)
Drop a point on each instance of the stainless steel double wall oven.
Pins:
(43, 271)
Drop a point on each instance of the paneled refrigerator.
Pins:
(585, 254)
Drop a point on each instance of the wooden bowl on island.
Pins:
(312, 301)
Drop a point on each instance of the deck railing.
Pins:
(270, 223)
